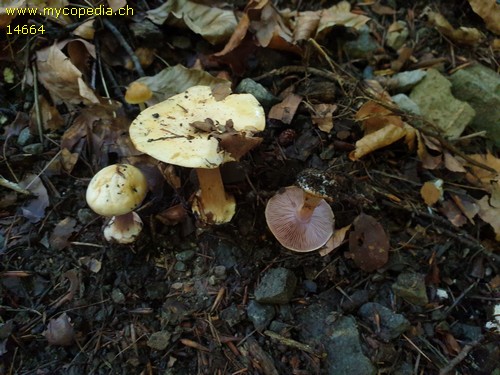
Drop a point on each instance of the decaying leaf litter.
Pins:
(387, 113)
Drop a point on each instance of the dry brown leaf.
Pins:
(489, 11)
(383, 10)
(322, 116)
(50, 116)
(464, 35)
(452, 212)
(86, 30)
(480, 176)
(5, 19)
(34, 209)
(368, 244)
(285, 110)
(454, 164)
(62, 232)
(214, 24)
(68, 159)
(432, 192)
(306, 24)
(340, 15)
(335, 241)
(381, 138)
(490, 215)
(375, 116)
(60, 331)
(467, 205)
(62, 79)
(428, 161)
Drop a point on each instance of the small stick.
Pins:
(128, 49)
(294, 344)
(458, 358)
(194, 345)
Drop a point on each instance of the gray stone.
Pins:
(386, 324)
(402, 82)
(339, 338)
(249, 86)
(225, 255)
(480, 87)
(159, 340)
(117, 296)
(406, 104)
(466, 332)
(439, 106)
(260, 315)
(33, 149)
(24, 137)
(411, 287)
(396, 39)
(232, 315)
(184, 256)
(180, 266)
(276, 287)
(363, 47)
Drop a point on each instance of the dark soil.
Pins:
(195, 282)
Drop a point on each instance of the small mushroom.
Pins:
(200, 130)
(300, 221)
(116, 191)
(138, 93)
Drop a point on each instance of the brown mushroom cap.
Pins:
(138, 92)
(294, 233)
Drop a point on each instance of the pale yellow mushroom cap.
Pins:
(116, 190)
(166, 132)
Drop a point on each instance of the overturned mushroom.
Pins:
(197, 129)
(116, 191)
(300, 221)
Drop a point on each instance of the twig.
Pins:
(294, 344)
(13, 186)
(124, 44)
(39, 121)
(291, 69)
(459, 357)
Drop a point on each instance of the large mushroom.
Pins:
(299, 220)
(116, 191)
(198, 129)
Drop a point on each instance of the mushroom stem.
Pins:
(214, 201)
(122, 222)
(310, 203)
(142, 106)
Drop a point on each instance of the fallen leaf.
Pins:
(335, 241)
(285, 110)
(482, 177)
(86, 30)
(375, 116)
(490, 215)
(306, 24)
(383, 10)
(93, 265)
(381, 138)
(368, 244)
(453, 213)
(176, 79)
(50, 116)
(489, 11)
(322, 116)
(432, 192)
(5, 19)
(60, 331)
(34, 209)
(463, 35)
(340, 15)
(61, 78)
(454, 164)
(214, 24)
(62, 232)
(467, 205)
